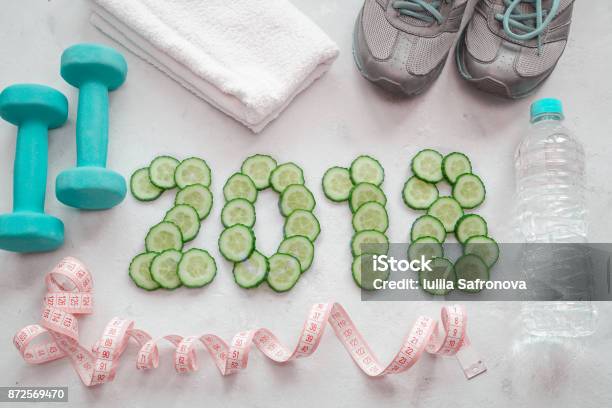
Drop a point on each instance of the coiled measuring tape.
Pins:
(69, 294)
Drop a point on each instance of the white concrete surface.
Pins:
(341, 116)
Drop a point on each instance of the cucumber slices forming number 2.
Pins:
(163, 264)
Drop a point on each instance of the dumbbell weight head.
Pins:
(85, 62)
(94, 69)
(34, 108)
(90, 188)
(27, 102)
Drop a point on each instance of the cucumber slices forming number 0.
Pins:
(237, 242)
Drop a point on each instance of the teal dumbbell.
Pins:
(95, 70)
(34, 109)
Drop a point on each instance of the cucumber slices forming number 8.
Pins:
(237, 242)
(163, 264)
(360, 187)
(446, 215)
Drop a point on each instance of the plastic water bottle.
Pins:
(551, 212)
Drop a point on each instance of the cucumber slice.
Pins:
(470, 225)
(284, 272)
(285, 175)
(366, 169)
(442, 271)
(419, 194)
(238, 211)
(296, 197)
(141, 186)
(427, 226)
(252, 271)
(197, 268)
(300, 248)
(240, 186)
(364, 274)
(426, 247)
(364, 193)
(186, 218)
(258, 168)
(337, 184)
(447, 210)
(237, 243)
(304, 223)
(469, 191)
(140, 271)
(484, 247)
(164, 269)
(198, 196)
(471, 268)
(161, 171)
(427, 165)
(163, 236)
(454, 165)
(369, 242)
(192, 171)
(371, 216)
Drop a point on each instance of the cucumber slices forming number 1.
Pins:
(337, 184)
(364, 193)
(366, 169)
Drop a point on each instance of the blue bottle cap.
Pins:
(546, 106)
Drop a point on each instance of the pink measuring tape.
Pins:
(69, 293)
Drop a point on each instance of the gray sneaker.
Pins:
(402, 45)
(507, 50)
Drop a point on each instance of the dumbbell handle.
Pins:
(92, 125)
(30, 168)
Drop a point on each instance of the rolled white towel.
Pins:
(248, 58)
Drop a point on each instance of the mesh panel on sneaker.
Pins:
(413, 21)
(480, 41)
(530, 63)
(379, 34)
(427, 53)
